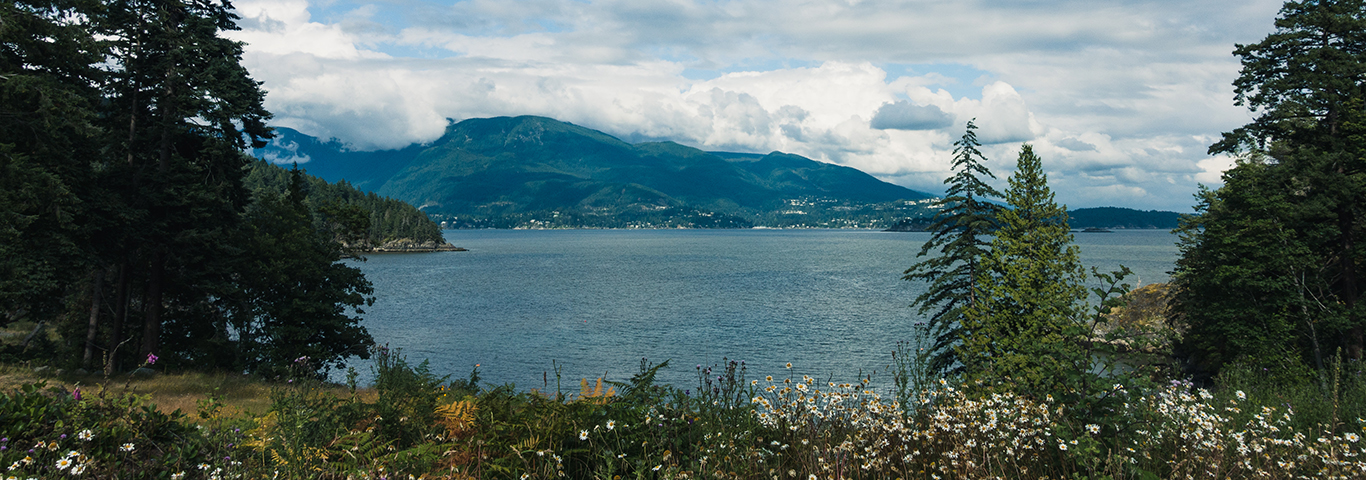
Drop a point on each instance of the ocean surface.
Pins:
(524, 304)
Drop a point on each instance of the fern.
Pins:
(457, 417)
(595, 395)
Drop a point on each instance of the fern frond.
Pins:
(595, 394)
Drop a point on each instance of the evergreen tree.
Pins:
(299, 296)
(1270, 262)
(48, 98)
(1028, 316)
(181, 109)
(965, 218)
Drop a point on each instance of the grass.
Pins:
(244, 394)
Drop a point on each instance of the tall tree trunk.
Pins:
(120, 316)
(96, 287)
(151, 329)
(1346, 226)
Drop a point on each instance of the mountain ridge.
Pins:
(494, 169)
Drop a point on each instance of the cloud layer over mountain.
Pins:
(1120, 99)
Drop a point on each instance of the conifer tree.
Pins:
(966, 217)
(1029, 304)
(1271, 262)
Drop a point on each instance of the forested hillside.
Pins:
(537, 172)
(389, 221)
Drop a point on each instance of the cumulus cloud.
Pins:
(1076, 145)
(904, 115)
(1120, 99)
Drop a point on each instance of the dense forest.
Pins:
(132, 222)
(388, 220)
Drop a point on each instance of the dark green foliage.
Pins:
(123, 218)
(408, 396)
(299, 297)
(1270, 262)
(346, 211)
(1029, 293)
(1114, 217)
(965, 219)
(1030, 329)
(47, 82)
(128, 437)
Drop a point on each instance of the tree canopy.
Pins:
(953, 254)
(124, 218)
(1270, 263)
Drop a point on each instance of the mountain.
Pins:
(536, 171)
(1116, 217)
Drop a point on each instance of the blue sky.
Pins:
(1119, 98)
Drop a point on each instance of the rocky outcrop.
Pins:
(412, 246)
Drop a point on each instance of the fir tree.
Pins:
(1270, 265)
(1029, 305)
(965, 218)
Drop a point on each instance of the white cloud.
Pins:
(1119, 98)
(904, 115)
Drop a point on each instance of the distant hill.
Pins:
(534, 171)
(1116, 217)
(393, 225)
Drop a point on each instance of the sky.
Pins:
(1121, 99)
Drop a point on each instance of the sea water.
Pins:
(528, 305)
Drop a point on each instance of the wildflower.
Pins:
(611, 424)
(583, 434)
(656, 469)
(1062, 446)
(203, 466)
(86, 435)
(789, 365)
(151, 359)
(1093, 428)
(811, 477)
(769, 378)
(178, 476)
(63, 463)
(127, 447)
(1241, 395)
(76, 394)
(1352, 437)
(77, 469)
(526, 476)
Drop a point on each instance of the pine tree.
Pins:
(1029, 304)
(965, 218)
(299, 296)
(1270, 265)
(180, 110)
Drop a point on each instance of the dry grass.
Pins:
(240, 394)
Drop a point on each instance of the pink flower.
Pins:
(76, 394)
(151, 358)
